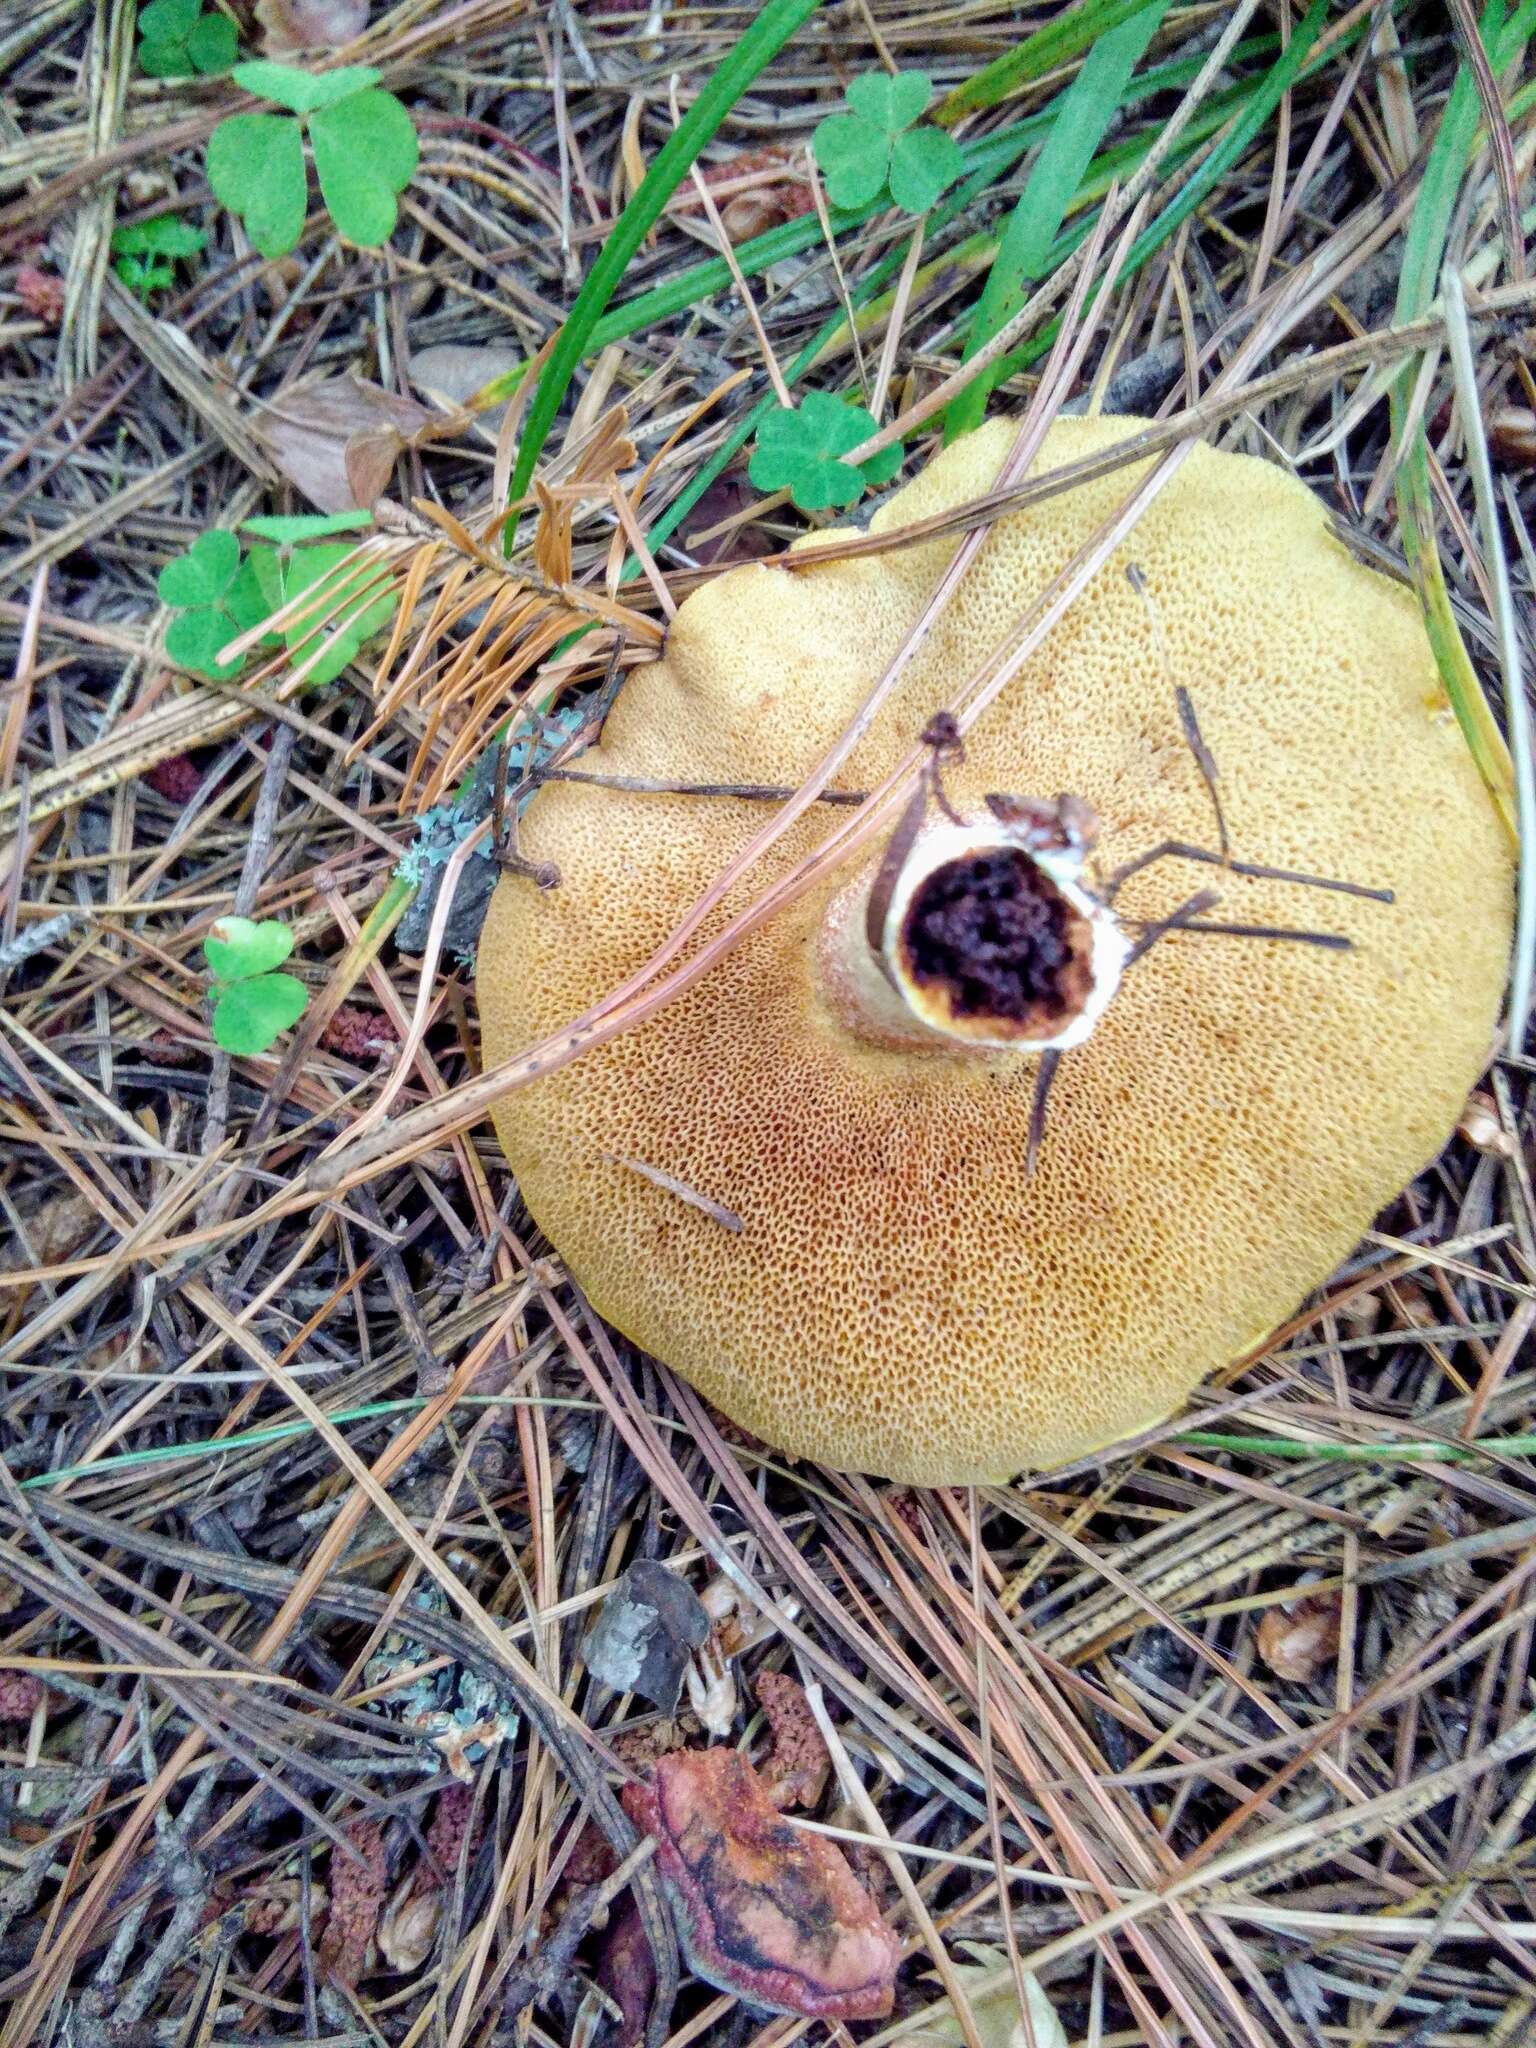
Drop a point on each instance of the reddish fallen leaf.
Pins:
(354, 1033)
(1295, 1641)
(358, 1884)
(798, 1766)
(21, 1693)
(288, 25)
(41, 293)
(177, 778)
(761, 1909)
(626, 1970)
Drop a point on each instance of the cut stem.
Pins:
(978, 940)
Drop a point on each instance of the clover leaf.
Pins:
(285, 574)
(875, 149)
(285, 528)
(363, 142)
(251, 1003)
(177, 40)
(365, 151)
(801, 450)
(137, 250)
(240, 947)
(219, 595)
(256, 167)
(302, 91)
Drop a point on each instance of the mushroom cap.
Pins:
(903, 1298)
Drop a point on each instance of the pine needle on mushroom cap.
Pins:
(903, 1296)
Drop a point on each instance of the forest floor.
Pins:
(310, 1489)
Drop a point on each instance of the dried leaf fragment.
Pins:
(357, 1894)
(755, 190)
(626, 1970)
(644, 1632)
(288, 25)
(762, 1909)
(337, 440)
(995, 2013)
(1296, 1640)
(798, 1765)
(407, 1927)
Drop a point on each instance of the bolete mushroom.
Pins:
(908, 1292)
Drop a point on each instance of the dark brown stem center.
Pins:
(997, 933)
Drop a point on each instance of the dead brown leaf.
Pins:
(1297, 1640)
(338, 441)
(454, 373)
(289, 25)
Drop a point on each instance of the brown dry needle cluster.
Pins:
(904, 1296)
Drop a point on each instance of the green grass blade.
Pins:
(1082, 114)
(1048, 48)
(770, 31)
(1423, 254)
(1260, 103)
(1382, 1453)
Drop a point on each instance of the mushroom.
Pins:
(909, 1293)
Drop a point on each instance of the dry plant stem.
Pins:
(1219, 404)
(890, 984)
(852, 1788)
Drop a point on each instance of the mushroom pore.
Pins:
(905, 1296)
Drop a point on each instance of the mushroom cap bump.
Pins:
(904, 1298)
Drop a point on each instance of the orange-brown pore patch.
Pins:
(762, 1909)
(994, 939)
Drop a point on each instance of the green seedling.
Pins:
(252, 1002)
(801, 450)
(178, 40)
(874, 149)
(362, 140)
(145, 255)
(219, 595)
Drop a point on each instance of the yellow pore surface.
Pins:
(903, 1299)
